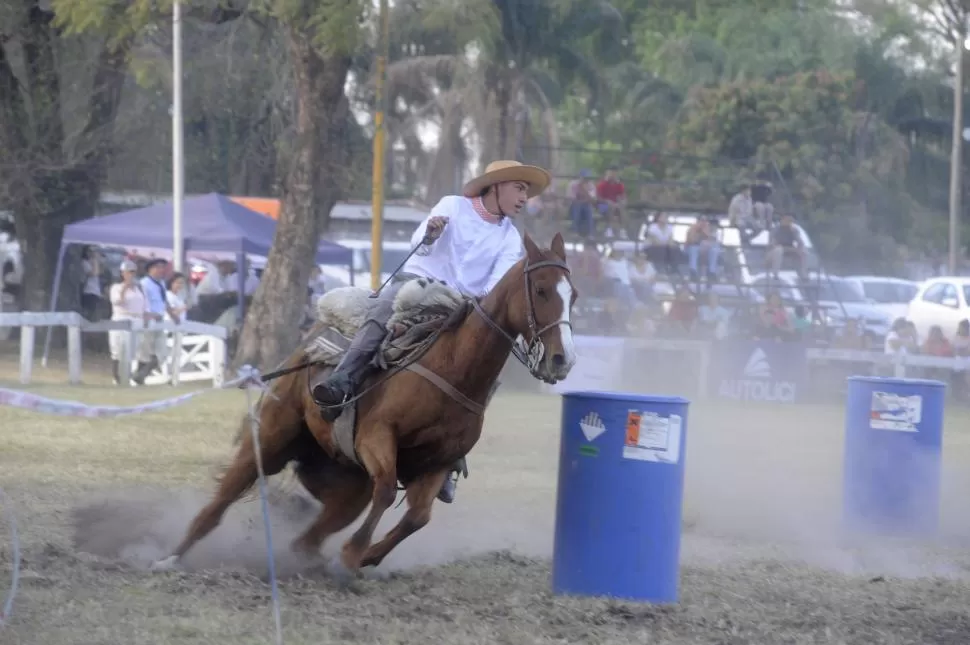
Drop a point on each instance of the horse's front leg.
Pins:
(420, 494)
(377, 449)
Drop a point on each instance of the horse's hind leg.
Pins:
(420, 494)
(344, 492)
(236, 480)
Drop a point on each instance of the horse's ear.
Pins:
(559, 247)
(531, 250)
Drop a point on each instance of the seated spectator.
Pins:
(616, 271)
(786, 242)
(741, 214)
(587, 271)
(801, 322)
(773, 321)
(611, 200)
(851, 337)
(901, 338)
(642, 278)
(582, 195)
(936, 344)
(764, 212)
(683, 312)
(661, 249)
(702, 239)
(713, 318)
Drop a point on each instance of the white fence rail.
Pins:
(197, 350)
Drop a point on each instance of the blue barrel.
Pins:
(621, 489)
(893, 453)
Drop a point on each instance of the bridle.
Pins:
(530, 353)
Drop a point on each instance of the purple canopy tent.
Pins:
(211, 223)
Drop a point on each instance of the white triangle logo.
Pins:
(592, 426)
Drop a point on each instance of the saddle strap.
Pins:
(447, 388)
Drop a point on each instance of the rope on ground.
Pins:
(248, 379)
(7, 607)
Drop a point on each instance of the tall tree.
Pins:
(321, 38)
(59, 95)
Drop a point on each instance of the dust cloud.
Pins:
(762, 481)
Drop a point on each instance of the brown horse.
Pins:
(409, 429)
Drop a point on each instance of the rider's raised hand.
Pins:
(436, 226)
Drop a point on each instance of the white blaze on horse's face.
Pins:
(565, 291)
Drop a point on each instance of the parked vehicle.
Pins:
(837, 297)
(941, 301)
(892, 295)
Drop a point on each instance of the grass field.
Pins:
(763, 559)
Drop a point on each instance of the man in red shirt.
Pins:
(611, 197)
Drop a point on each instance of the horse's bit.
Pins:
(534, 350)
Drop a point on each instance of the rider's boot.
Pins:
(349, 373)
(447, 492)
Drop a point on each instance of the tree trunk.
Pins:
(53, 183)
(315, 171)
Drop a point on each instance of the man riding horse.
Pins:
(477, 244)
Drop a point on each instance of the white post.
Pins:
(175, 361)
(705, 365)
(178, 175)
(74, 354)
(127, 350)
(218, 352)
(26, 353)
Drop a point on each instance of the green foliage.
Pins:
(841, 164)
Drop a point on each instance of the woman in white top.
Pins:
(175, 297)
(128, 302)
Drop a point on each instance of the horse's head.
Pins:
(540, 310)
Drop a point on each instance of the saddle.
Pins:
(423, 308)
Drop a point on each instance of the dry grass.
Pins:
(763, 561)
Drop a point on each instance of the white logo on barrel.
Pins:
(592, 426)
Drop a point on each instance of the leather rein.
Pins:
(534, 350)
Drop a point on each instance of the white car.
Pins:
(940, 301)
(889, 294)
(838, 297)
(392, 255)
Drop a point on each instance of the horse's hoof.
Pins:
(165, 564)
(340, 572)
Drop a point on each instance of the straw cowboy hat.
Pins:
(499, 172)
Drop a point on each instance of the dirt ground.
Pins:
(763, 560)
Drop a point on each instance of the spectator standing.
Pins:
(175, 298)
(774, 322)
(154, 341)
(128, 304)
(91, 291)
(683, 312)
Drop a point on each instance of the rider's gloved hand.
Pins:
(436, 226)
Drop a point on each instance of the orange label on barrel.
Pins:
(632, 428)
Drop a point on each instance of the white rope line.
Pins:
(248, 378)
(255, 381)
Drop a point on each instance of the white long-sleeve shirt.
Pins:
(471, 255)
